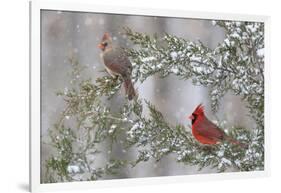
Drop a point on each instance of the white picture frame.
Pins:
(35, 99)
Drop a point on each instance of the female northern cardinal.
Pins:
(207, 132)
(117, 63)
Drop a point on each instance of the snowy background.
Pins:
(66, 34)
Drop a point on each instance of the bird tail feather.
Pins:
(236, 142)
(129, 89)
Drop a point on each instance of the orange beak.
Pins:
(101, 46)
(191, 117)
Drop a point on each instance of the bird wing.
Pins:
(118, 62)
(209, 130)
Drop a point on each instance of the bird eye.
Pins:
(104, 43)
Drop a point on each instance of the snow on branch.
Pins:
(235, 65)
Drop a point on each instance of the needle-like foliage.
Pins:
(88, 128)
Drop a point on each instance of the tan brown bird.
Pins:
(117, 63)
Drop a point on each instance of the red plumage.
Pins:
(207, 132)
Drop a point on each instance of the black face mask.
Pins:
(194, 118)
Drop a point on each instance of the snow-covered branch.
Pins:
(235, 65)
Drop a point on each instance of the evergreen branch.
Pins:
(231, 66)
(234, 65)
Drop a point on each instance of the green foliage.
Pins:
(235, 65)
(88, 124)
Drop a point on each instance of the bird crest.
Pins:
(106, 36)
(199, 109)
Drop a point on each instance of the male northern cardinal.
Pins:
(207, 132)
(117, 63)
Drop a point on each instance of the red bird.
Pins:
(117, 63)
(207, 132)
